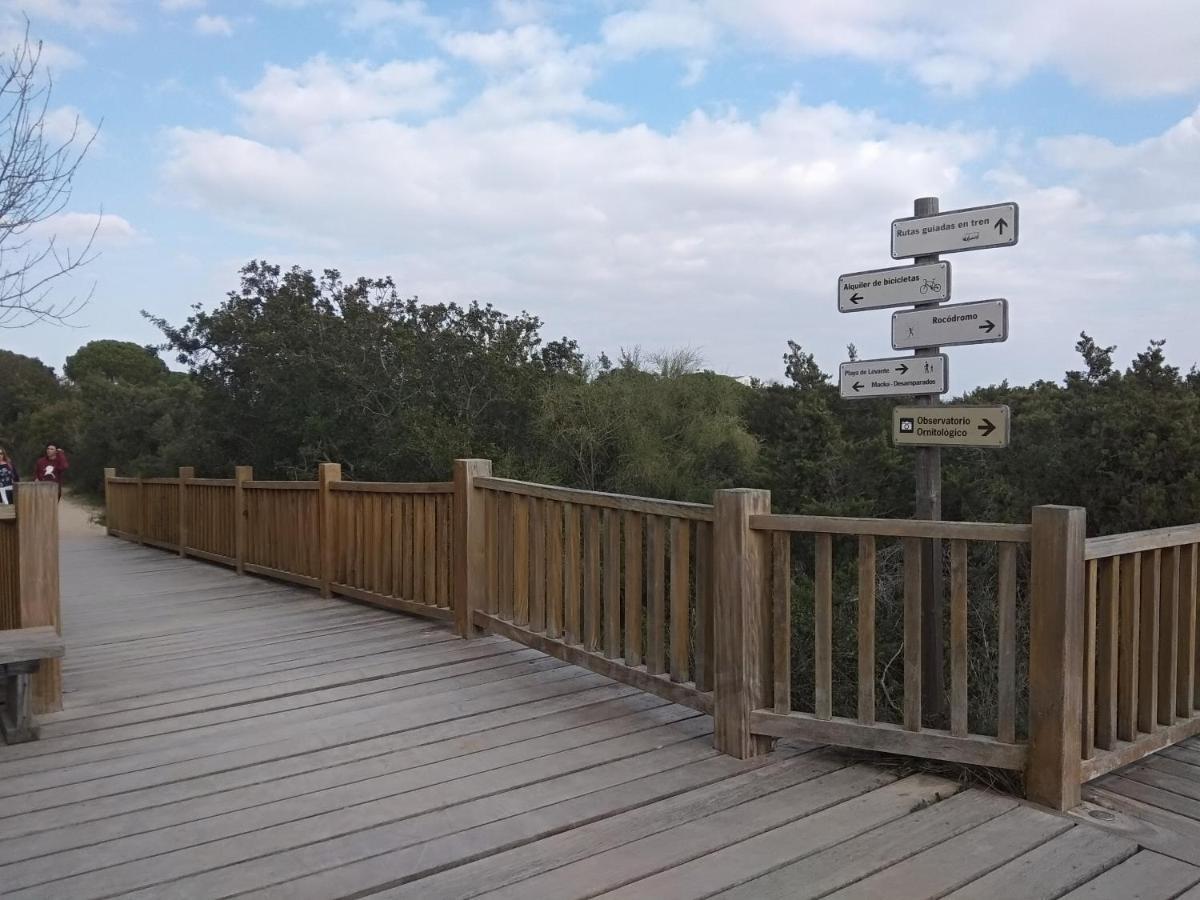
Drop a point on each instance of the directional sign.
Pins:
(975, 228)
(904, 376)
(897, 286)
(983, 322)
(950, 426)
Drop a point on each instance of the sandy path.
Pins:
(75, 519)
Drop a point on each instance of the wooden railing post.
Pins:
(108, 473)
(1053, 766)
(327, 473)
(185, 474)
(241, 474)
(469, 549)
(741, 620)
(37, 573)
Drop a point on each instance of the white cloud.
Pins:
(213, 26)
(180, 5)
(63, 122)
(75, 229)
(368, 15)
(1131, 49)
(662, 25)
(520, 12)
(323, 92)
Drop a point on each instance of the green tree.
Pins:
(114, 361)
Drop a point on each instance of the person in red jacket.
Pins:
(51, 466)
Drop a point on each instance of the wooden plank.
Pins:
(681, 631)
(571, 609)
(930, 743)
(962, 859)
(912, 634)
(389, 487)
(1142, 541)
(1148, 651)
(39, 595)
(612, 584)
(445, 552)
(1128, 647)
(431, 552)
(781, 620)
(591, 578)
(633, 590)
(1147, 876)
(694, 511)
(1107, 637)
(553, 521)
(507, 559)
(704, 607)
(823, 628)
(537, 565)
(1049, 871)
(830, 849)
(655, 595)
(19, 645)
(1088, 712)
(1168, 635)
(1186, 629)
(959, 724)
(898, 528)
(1126, 752)
(282, 575)
(492, 540)
(866, 629)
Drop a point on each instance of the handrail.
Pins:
(394, 487)
(700, 512)
(279, 485)
(1139, 541)
(901, 528)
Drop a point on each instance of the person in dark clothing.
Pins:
(8, 477)
(51, 466)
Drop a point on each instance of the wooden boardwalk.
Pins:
(229, 736)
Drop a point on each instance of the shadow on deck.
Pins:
(225, 735)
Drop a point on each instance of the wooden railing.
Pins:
(381, 543)
(1140, 688)
(1090, 648)
(29, 586)
(621, 585)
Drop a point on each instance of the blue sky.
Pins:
(653, 172)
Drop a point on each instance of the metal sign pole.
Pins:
(929, 506)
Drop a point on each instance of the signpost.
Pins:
(903, 376)
(925, 329)
(982, 322)
(950, 426)
(974, 228)
(897, 286)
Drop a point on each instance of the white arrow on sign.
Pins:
(975, 228)
(904, 376)
(982, 322)
(897, 286)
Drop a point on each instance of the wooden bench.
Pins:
(21, 649)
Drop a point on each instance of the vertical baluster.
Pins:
(1108, 601)
(507, 565)
(959, 722)
(655, 596)
(571, 611)
(1148, 674)
(591, 578)
(612, 584)
(1186, 628)
(493, 551)
(1091, 591)
(680, 619)
(781, 619)
(912, 634)
(431, 548)
(553, 521)
(633, 589)
(1168, 635)
(866, 629)
(537, 566)
(823, 628)
(1128, 664)
(705, 647)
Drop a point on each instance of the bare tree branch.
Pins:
(37, 173)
